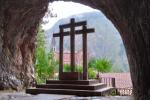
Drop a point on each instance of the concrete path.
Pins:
(23, 96)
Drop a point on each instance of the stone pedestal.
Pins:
(71, 76)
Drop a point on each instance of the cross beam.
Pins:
(75, 24)
(77, 32)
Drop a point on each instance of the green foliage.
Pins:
(79, 68)
(92, 63)
(67, 68)
(101, 64)
(44, 62)
(113, 92)
(91, 73)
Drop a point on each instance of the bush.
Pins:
(78, 68)
(92, 63)
(91, 73)
(103, 65)
(100, 64)
(67, 68)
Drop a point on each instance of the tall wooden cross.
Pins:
(72, 33)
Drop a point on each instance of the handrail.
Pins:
(109, 81)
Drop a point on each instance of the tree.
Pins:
(45, 64)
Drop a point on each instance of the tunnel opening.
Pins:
(106, 43)
(17, 41)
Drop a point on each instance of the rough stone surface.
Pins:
(19, 20)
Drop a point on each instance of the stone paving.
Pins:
(23, 96)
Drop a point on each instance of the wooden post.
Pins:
(85, 69)
(113, 82)
(72, 44)
(61, 53)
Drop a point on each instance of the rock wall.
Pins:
(19, 20)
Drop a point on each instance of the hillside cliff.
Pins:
(105, 42)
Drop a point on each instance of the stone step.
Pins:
(106, 90)
(73, 86)
(81, 82)
(99, 92)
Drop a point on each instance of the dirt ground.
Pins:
(23, 96)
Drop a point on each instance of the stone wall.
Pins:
(19, 20)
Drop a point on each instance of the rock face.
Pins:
(19, 20)
(132, 19)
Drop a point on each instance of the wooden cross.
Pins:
(72, 33)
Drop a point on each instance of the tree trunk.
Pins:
(19, 20)
(132, 19)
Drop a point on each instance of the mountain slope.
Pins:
(105, 42)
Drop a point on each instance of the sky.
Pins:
(64, 10)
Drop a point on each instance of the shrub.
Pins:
(91, 73)
(100, 64)
(67, 68)
(103, 65)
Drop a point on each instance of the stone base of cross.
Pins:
(72, 25)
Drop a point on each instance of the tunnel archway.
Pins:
(105, 32)
(131, 18)
(103, 43)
